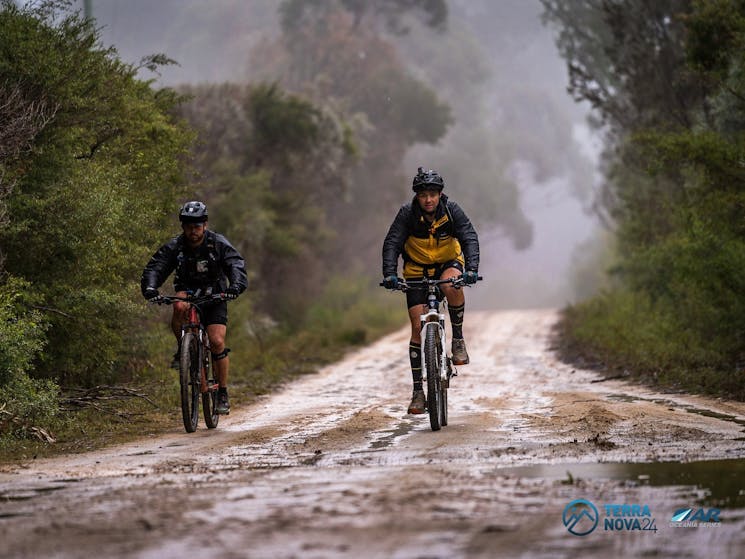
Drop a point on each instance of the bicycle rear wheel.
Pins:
(189, 379)
(432, 351)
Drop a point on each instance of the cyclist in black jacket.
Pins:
(202, 260)
(436, 240)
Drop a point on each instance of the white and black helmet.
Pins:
(427, 180)
(193, 212)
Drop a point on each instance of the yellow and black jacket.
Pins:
(424, 245)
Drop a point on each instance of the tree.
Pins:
(93, 185)
(666, 79)
(272, 163)
(337, 54)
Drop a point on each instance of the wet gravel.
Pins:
(332, 466)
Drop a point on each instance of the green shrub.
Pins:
(25, 402)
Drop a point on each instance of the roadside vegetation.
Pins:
(666, 82)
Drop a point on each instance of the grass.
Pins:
(622, 333)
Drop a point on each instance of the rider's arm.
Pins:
(233, 265)
(160, 267)
(466, 235)
(393, 245)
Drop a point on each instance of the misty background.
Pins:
(514, 124)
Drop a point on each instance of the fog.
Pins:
(552, 153)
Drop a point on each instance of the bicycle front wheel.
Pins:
(189, 379)
(432, 351)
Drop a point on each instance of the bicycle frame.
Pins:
(195, 326)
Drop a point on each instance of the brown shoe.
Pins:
(460, 355)
(417, 404)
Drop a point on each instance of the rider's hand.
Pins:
(231, 293)
(390, 282)
(151, 293)
(470, 277)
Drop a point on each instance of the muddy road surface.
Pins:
(331, 466)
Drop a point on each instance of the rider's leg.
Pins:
(456, 302)
(455, 297)
(180, 315)
(456, 306)
(415, 345)
(415, 358)
(415, 314)
(216, 334)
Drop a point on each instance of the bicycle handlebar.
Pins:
(404, 285)
(169, 299)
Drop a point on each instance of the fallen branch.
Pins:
(100, 398)
(9, 421)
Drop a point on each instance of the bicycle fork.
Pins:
(436, 320)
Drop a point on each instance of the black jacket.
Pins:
(408, 223)
(215, 264)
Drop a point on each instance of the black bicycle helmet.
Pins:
(427, 180)
(193, 212)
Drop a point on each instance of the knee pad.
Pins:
(222, 355)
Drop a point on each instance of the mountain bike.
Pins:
(437, 365)
(194, 362)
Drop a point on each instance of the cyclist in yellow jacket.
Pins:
(436, 240)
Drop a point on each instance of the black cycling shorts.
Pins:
(215, 312)
(416, 297)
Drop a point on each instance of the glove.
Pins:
(390, 282)
(150, 293)
(470, 277)
(231, 293)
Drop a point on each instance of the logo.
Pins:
(624, 517)
(695, 518)
(580, 517)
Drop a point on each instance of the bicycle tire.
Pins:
(443, 404)
(189, 380)
(432, 349)
(209, 405)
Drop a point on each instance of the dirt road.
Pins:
(333, 467)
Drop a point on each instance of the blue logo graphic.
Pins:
(580, 517)
(681, 514)
(696, 515)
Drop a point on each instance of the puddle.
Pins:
(628, 398)
(13, 514)
(722, 481)
(17, 496)
(24, 494)
(403, 428)
(715, 415)
(48, 489)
